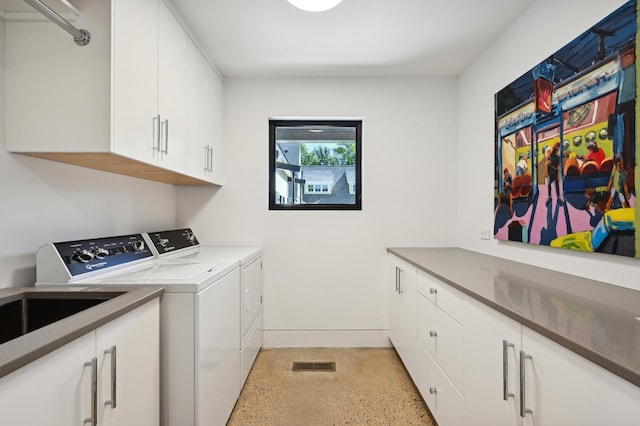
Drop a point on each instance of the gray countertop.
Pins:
(22, 350)
(599, 321)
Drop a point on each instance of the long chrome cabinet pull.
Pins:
(397, 279)
(93, 420)
(505, 370)
(523, 409)
(165, 124)
(210, 159)
(206, 158)
(114, 366)
(156, 133)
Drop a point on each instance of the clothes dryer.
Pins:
(182, 245)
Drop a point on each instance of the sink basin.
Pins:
(23, 313)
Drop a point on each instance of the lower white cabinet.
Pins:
(563, 388)
(57, 388)
(515, 376)
(491, 366)
(401, 284)
(476, 366)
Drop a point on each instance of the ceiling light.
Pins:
(315, 5)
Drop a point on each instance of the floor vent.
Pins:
(314, 366)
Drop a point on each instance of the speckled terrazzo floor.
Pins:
(369, 387)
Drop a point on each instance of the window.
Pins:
(318, 188)
(315, 164)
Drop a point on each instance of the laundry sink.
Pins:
(28, 311)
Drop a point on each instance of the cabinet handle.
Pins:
(165, 124)
(523, 409)
(156, 133)
(206, 158)
(433, 333)
(210, 159)
(399, 280)
(434, 390)
(112, 401)
(93, 419)
(505, 370)
(433, 290)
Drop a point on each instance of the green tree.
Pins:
(321, 155)
(345, 154)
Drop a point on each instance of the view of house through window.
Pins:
(315, 164)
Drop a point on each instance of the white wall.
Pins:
(43, 201)
(324, 270)
(544, 28)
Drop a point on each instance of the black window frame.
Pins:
(304, 122)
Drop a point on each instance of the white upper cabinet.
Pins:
(119, 104)
(134, 105)
(172, 91)
(204, 119)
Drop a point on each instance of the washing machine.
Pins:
(200, 336)
(182, 245)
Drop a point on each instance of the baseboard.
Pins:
(326, 339)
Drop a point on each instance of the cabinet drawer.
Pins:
(442, 295)
(443, 338)
(444, 401)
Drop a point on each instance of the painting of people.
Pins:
(565, 145)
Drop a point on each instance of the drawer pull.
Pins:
(114, 366)
(505, 370)
(433, 290)
(434, 390)
(433, 333)
(93, 419)
(523, 409)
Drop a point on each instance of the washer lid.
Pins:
(175, 277)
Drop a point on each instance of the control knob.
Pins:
(163, 241)
(100, 253)
(83, 256)
(190, 237)
(137, 245)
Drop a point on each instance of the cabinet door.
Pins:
(218, 350)
(54, 390)
(172, 91)
(563, 388)
(130, 375)
(135, 79)
(492, 343)
(204, 119)
(402, 312)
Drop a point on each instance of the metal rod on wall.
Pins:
(81, 37)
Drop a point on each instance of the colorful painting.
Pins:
(565, 145)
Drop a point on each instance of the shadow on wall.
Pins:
(18, 271)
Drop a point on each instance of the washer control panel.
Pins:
(173, 240)
(89, 255)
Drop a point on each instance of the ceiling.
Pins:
(357, 38)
